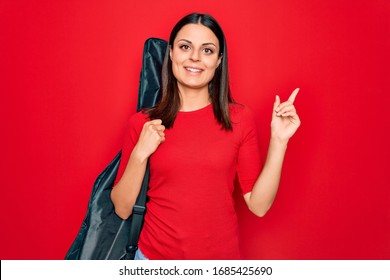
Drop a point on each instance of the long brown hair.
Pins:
(219, 89)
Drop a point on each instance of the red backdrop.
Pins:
(69, 81)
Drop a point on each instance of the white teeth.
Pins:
(193, 70)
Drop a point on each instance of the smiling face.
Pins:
(195, 57)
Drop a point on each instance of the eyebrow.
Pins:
(204, 44)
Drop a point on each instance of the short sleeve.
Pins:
(134, 128)
(248, 160)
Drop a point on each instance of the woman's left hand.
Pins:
(285, 120)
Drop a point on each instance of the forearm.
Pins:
(264, 191)
(125, 192)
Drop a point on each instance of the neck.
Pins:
(194, 99)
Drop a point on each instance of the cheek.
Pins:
(178, 58)
(175, 70)
(211, 69)
(211, 63)
(177, 63)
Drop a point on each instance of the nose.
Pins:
(195, 55)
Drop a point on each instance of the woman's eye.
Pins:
(184, 47)
(208, 51)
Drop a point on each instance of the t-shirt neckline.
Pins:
(197, 110)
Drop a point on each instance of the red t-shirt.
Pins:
(191, 214)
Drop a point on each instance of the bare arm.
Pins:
(125, 192)
(285, 122)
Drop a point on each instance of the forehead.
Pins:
(197, 33)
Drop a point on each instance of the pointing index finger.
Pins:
(293, 95)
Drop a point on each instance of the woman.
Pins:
(198, 140)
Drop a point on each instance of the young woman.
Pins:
(198, 140)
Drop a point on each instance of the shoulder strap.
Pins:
(139, 210)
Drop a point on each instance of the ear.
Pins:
(219, 60)
(170, 53)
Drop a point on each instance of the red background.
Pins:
(69, 81)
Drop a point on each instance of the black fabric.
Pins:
(150, 80)
(103, 235)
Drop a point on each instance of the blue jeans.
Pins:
(139, 255)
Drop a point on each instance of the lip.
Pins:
(194, 70)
